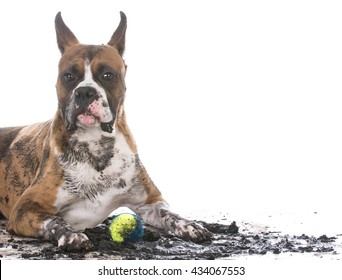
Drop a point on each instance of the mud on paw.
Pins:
(74, 241)
(192, 231)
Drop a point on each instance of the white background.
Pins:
(234, 105)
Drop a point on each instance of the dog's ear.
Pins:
(118, 38)
(65, 38)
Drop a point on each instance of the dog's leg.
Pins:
(158, 215)
(34, 219)
(155, 211)
(29, 221)
(34, 214)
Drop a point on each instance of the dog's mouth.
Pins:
(88, 119)
(92, 120)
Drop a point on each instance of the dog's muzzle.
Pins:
(90, 109)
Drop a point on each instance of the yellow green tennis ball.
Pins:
(126, 228)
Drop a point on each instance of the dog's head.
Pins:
(91, 80)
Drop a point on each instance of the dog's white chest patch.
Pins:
(100, 174)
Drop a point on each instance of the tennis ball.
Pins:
(126, 228)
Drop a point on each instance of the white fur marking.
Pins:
(81, 212)
(90, 82)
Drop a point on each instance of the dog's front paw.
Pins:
(74, 241)
(190, 230)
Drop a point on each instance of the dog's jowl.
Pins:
(69, 173)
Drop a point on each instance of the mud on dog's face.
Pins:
(90, 85)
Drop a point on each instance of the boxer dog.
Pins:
(62, 176)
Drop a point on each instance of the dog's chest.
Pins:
(99, 174)
(94, 165)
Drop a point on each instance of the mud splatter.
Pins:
(227, 241)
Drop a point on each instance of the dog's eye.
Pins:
(107, 76)
(68, 77)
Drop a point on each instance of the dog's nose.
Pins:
(85, 94)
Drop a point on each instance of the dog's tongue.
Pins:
(88, 120)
